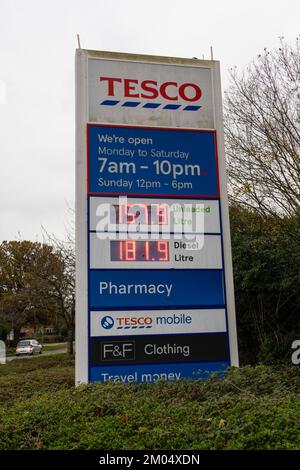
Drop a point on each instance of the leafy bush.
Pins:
(266, 260)
(21, 379)
(249, 408)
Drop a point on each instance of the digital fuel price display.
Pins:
(144, 214)
(139, 250)
(137, 253)
(174, 216)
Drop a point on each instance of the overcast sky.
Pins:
(37, 46)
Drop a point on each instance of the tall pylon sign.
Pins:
(154, 285)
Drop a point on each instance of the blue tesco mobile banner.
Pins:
(152, 161)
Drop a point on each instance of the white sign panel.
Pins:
(134, 252)
(179, 217)
(145, 93)
(149, 322)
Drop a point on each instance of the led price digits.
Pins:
(139, 250)
(154, 214)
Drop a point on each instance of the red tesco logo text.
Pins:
(134, 321)
(149, 89)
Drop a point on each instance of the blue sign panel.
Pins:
(161, 163)
(151, 373)
(152, 161)
(156, 288)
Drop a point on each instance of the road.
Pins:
(45, 353)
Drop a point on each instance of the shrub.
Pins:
(249, 408)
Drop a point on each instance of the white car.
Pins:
(28, 346)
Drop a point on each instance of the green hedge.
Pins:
(250, 408)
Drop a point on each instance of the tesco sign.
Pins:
(133, 321)
(153, 94)
(151, 89)
(107, 322)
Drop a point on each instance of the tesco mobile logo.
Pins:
(107, 322)
(125, 323)
(151, 90)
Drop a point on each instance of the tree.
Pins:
(262, 135)
(63, 282)
(37, 282)
(266, 276)
(24, 267)
(262, 132)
